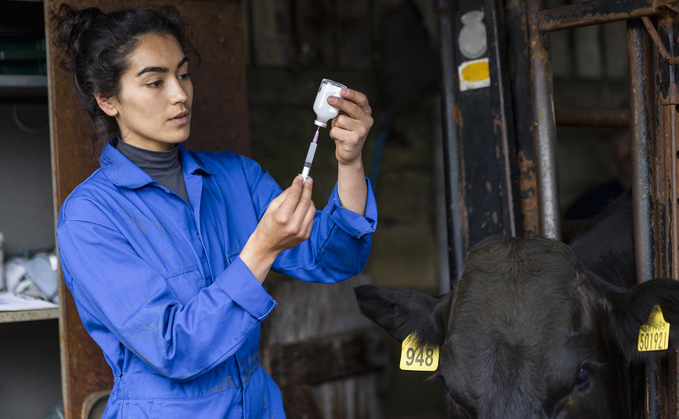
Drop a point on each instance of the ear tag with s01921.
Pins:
(418, 358)
(654, 335)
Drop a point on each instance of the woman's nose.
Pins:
(178, 94)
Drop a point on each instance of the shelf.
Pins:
(28, 315)
(21, 309)
(31, 85)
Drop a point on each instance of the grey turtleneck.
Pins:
(163, 166)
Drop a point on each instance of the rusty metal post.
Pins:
(641, 124)
(596, 12)
(503, 118)
(451, 145)
(641, 117)
(519, 81)
(665, 199)
(545, 128)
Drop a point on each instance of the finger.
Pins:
(350, 108)
(350, 124)
(309, 220)
(304, 202)
(347, 137)
(358, 98)
(293, 194)
(276, 202)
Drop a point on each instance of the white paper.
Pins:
(11, 302)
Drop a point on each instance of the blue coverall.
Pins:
(160, 286)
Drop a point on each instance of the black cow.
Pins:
(538, 329)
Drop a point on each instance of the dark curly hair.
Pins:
(96, 48)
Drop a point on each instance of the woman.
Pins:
(165, 249)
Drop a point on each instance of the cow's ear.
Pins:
(631, 309)
(401, 312)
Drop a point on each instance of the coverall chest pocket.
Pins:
(186, 283)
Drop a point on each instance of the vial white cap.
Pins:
(321, 123)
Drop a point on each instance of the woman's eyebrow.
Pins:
(160, 69)
(152, 70)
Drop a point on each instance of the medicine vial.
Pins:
(325, 112)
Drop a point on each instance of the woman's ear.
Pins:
(106, 104)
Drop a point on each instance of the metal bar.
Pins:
(665, 196)
(641, 116)
(579, 117)
(545, 129)
(503, 126)
(446, 11)
(519, 82)
(594, 13)
(658, 42)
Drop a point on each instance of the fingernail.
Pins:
(332, 99)
(344, 92)
(310, 180)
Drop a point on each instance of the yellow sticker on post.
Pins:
(418, 358)
(654, 335)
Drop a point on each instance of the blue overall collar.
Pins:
(122, 172)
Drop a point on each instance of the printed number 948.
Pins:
(421, 356)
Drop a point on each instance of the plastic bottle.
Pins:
(325, 112)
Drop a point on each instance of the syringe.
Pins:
(310, 155)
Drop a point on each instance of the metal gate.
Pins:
(511, 173)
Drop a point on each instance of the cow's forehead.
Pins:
(516, 319)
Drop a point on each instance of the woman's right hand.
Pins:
(286, 223)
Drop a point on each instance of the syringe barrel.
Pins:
(309, 159)
(310, 153)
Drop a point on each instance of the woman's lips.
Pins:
(181, 118)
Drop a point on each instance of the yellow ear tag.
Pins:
(655, 334)
(416, 358)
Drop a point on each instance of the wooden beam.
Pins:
(340, 356)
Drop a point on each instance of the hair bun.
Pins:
(70, 28)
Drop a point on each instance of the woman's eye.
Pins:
(155, 84)
(184, 76)
(582, 377)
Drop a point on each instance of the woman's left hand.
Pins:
(350, 128)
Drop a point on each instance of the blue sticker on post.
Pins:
(418, 358)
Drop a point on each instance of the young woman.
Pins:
(165, 249)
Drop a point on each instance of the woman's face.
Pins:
(153, 108)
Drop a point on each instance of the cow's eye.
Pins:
(582, 377)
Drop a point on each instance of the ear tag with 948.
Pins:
(418, 358)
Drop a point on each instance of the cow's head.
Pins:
(527, 334)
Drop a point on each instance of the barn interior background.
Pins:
(388, 49)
